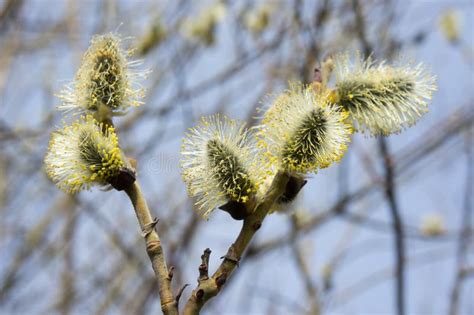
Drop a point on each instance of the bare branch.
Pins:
(153, 248)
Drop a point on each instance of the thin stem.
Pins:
(154, 249)
(465, 237)
(390, 194)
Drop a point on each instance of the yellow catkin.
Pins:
(82, 154)
(302, 131)
(217, 161)
(106, 83)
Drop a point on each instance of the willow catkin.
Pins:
(380, 98)
(217, 163)
(106, 83)
(302, 131)
(83, 154)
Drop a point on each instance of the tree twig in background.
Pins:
(465, 237)
(390, 193)
(390, 189)
(311, 288)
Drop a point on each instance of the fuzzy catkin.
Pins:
(380, 98)
(217, 163)
(106, 83)
(83, 154)
(302, 131)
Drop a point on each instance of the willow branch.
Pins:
(208, 287)
(153, 248)
(390, 194)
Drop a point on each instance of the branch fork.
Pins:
(208, 287)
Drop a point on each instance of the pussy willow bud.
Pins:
(257, 19)
(217, 167)
(382, 99)
(153, 37)
(201, 28)
(302, 131)
(86, 153)
(432, 225)
(450, 25)
(106, 83)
